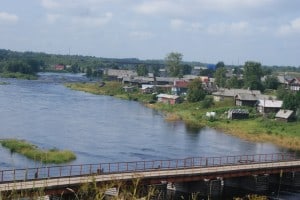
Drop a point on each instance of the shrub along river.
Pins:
(101, 128)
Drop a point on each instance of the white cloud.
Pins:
(52, 18)
(290, 28)
(184, 8)
(232, 28)
(177, 23)
(50, 4)
(8, 18)
(160, 7)
(141, 35)
(93, 20)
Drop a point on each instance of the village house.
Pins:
(230, 94)
(180, 87)
(285, 115)
(294, 84)
(147, 89)
(59, 67)
(269, 106)
(168, 99)
(242, 99)
(117, 74)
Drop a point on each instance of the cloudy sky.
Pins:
(232, 31)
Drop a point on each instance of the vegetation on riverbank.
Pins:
(33, 152)
(18, 75)
(257, 128)
(111, 89)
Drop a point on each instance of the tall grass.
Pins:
(33, 152)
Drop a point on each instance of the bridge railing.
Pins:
(138, 166)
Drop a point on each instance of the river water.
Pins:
(101, 128)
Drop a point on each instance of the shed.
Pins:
(167, 98)
(284, 115)
(238, 114)
(128, 88)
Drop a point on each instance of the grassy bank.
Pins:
(110, 89)
(18, 75)
(256, 128)
(33, 152)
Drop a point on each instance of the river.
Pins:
(101, 128)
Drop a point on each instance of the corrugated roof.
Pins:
(270, 103)
(234, 92)
(285, 114)
(168, 96)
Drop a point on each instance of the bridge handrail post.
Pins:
(71, 170)
(48, 174)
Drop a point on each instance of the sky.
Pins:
(232, 31)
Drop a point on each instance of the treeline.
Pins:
(31, 62)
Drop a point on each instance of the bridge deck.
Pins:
(158, 175)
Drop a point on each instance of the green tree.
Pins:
(281, 92)
(173, 63)
(89, 72)
(220, 64)
(220, 77)
(186, 69)
(141, 70)
(252, 76)
(234, 82)
(271, 82)
(195, 91)
(155, 70)
(290, 102)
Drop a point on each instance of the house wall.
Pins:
(239, 102)
(168, 101)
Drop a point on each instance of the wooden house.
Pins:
(223, 94)
(180, 87)
(269, 106)
(242, 99)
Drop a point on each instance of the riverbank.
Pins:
(33, 152)
(256, 128)
(18, 75)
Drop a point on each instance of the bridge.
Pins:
(55, 179)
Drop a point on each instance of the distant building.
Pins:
(269, 106)
(223, 93)
(59, 67)
(238, 114)
(167, 98)
(180, 87)
(128, 88)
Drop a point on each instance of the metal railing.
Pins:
(138, 166)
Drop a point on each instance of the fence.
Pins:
(138, 166)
